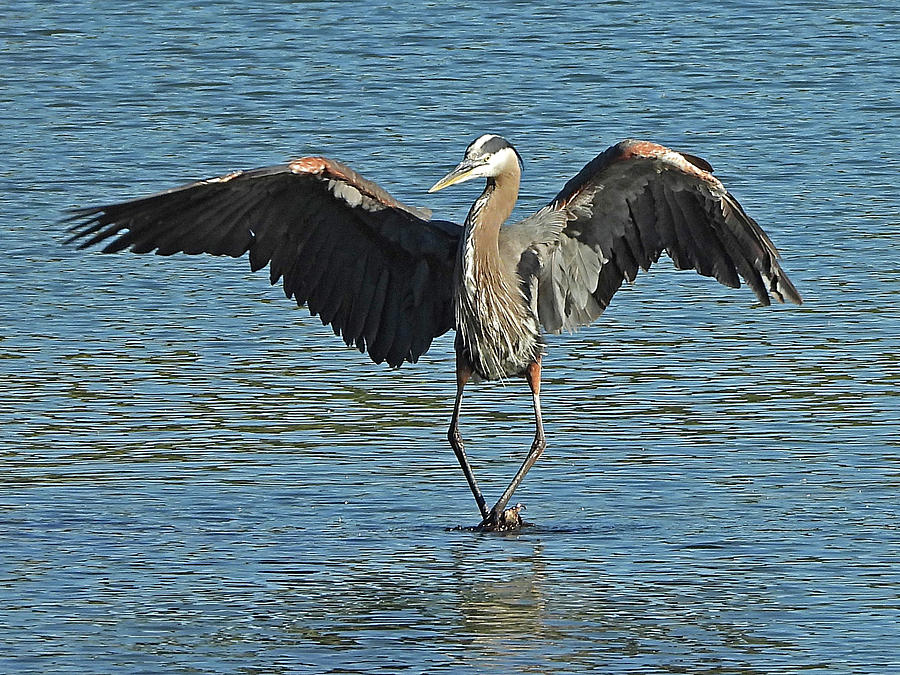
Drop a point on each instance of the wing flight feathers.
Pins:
(379, 271)
(630, 204)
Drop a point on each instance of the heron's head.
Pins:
(488, 156)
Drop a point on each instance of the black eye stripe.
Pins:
(482, 146)
(492, 145)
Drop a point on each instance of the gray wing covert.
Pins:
(627, 206)
(525, 247)
(379, 272)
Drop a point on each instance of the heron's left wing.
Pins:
(631, 203)
(378, 271)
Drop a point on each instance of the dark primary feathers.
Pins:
(630, 204)
(378, 271)
(381, 273)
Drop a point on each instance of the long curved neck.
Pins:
(494, 324)
(488, 213)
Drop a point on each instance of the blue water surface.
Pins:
(197, 476)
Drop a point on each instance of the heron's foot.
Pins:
(507, 520)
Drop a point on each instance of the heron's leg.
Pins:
(463, 373)
(533, 375)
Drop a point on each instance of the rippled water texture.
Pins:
(198, 477)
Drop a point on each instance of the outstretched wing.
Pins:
(378, 271)
(630, 204)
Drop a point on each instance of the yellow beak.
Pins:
(462, 172)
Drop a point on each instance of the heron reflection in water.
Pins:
(389, 279)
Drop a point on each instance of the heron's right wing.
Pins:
(626, 207)
(378, 271)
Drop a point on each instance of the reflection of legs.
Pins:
(463, 373)
(533, 375)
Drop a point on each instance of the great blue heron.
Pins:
(389, 279)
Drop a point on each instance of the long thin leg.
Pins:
(463, 373)
(533, 375)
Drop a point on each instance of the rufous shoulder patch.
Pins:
(648, 150)
(308, 165)
(315, 165)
